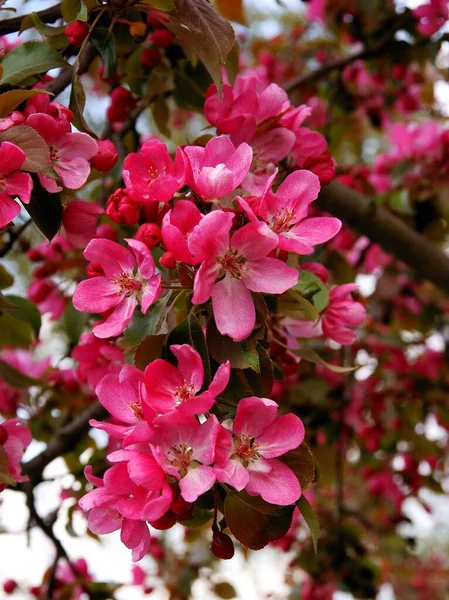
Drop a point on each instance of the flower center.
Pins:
(54, 156)
(284, 219)
(136, 407)
(233, 263)
(154, 173)
(128, 284)
(182, 457)
(184, 392)
(246, 449)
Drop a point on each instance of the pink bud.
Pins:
(76, 32)
(106, 156)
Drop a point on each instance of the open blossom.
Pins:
(342, 314)
(232, 267)
(12, 182)
(285, 213)
(129, 279)
(247, 455)
(219, 168)
(120, 393)
(177, 225)
(96, 358)
(14, 439)
(118, 502)
(80, 221)
(169, 388)
(69, 152)
(432, 16)
(151, 175)
(185, 449)
(47, 297)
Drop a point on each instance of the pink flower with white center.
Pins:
(14, 439)
(177, 225)
(342, 314)
(185, 449)
(80, 221)
(285, 213)
(119, 503)
(169, 388)
(120, 394)
(232, 267)
(246, 455)
(12, 182)
(129, 279)
(217, 169)
(69, 152)
(151, 175)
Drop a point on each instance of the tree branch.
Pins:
(64, 441)
(64, 79)
(383, 228)
(48, 15)
(13, 237)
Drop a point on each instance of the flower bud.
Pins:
(106, 157)
(161, 38)
(150, 57)
(121, 209)
(149, 234)
(76, 32)
(168, 260)
(9, 586)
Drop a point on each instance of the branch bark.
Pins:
(383, 228)
(64, 441)
(64, 79)
(48, 15)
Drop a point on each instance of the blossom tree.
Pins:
(242, 259)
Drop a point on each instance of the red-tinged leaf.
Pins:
(9, 101)
(232, 10)
(148, 350)
(37, 152)
(302, 463)
(254, 522)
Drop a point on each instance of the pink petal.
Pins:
(76, 145)
(210, 238)
(273, 145)
(11, 158)
(9, 209)
(19, 184)
(254, 415)
(239, 163)
(103, 520)
(145, 471)
(205, 279)
(233, 473)
(117, 320)
(117, 397)
(220, 380)
(96, 295)
(298, 191)
(73, 172)
(274, 481)
(197, 405)
(270, 275)
(233, 308)
(189, 364)
(161, 382)
(284, 434)
(217, 150)
(204, 440)
(114, 259)
(310, 232)
(151, 291)
(254, 240)
(196, 482)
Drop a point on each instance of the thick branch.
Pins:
(49, 15)
(64, 441)
(383, 228)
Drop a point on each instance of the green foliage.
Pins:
(28, 59)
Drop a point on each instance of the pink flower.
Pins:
(233, 267)
(246, 455)
(233, 110)
(129, 279)
(177, 225)
(47, 297)
(14, 439)
(342, 314)
(432, 16)
(120, 394)
(96, 358)
(151, 175)
(185, 449)
(285, 212)
(118, 502)
(169, 388)
(80, 221)
(70, 152)
(12, 182)
(309, 144)
(217, 169)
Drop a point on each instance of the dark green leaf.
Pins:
(148, 350)
(45, 209)
(103, 40)
(191, 83)
(161, 115)
(313, 357)
(6, 279)
(310, 518)
(26, 311)
(30, 58)
(5, 476)
(70, 9)
(16, 378)
(14, 332)
(241, 355)
(11, 100)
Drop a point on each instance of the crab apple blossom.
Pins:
(12, 182)
(185, 449)
(233, 266)
(70, 152)
(80, 222)
(217, 169)
(96, 358)
(151, 175)
(343, 314)
(129, 279)
(177, 225)
(168, 388)
(13, 445)
(286, 210)
(246, 455)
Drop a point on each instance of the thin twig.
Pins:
(48, 15)
(13, 237)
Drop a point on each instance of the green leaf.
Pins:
(307, 311)
(313, 357)
(254, 522)
(5, 476)
(16, 378)
(200, 516)
(149, 349)
(152, 323)
(45, 209)
(313, 289)
(161, 115)
(4, 303)
(103, 40)
(302, 463)
(78, 102)
(73, 323)
(14, 332)
(33, 20)
(37, 152)
(311, 519)
(191, 82)
(241, 355)
(190, 332)
(6, 279)
(26, 311)
(11, 100)
(30, 58)
(199, 27)
(70, 9)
